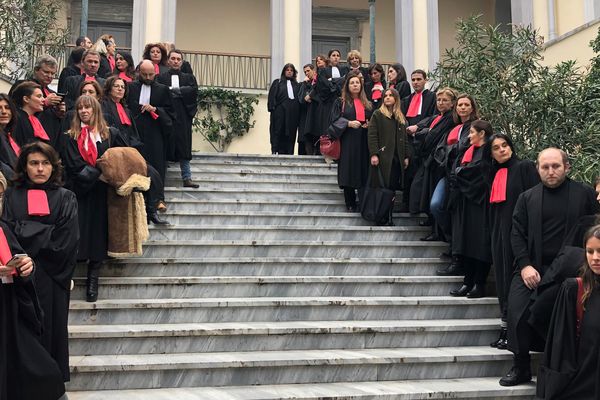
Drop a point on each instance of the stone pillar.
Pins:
(292, 33)
(169, 20)
(522, 12)
(138, 29)
(305, 33)
(405, 46)
(277, 38)
(591, 10)
(433, 34)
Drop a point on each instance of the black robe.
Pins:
(428, 172)
(71, 89)
(403, 88)
(522, 175)
(304, 89)
(27, 371)
(68, 71)
(104, 70)
(325, 92)
(51, 241)
(285, 116)
(570, 367)
(369, 92)
(154, 133)
(470, 227)
(428, 106)
(8, 157)
(23, 131)
(185, 102)
(353, 165)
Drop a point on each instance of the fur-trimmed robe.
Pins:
(125, 171)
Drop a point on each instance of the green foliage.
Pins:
(536, 105)
(28, 28)
(234, 110)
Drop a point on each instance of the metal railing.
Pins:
(233, 71)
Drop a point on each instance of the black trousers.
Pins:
(476, 271)
(157, 189)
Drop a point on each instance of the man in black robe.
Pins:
(151, 107)
(542, 218)
(184, 91)
(74, 68)
(90, 63)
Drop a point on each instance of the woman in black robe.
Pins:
(284, 107)
(157, 53)
(29, 99)
(89, 137)
(375, 86)
(354, 63)
(349, 122)
(570, 367)
(43, 217)
(470, 224)
(9, 149)
(508, 178)
(397, 79)
(124, 66)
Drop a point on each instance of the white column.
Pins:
(292, 33)
(169, 17)
(551, 19)
(405, 50)
(433, 33)
(522, 12)
(591, 10)
(305, 32)
(277, 38)
(138, 29)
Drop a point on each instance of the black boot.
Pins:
(92, 282)
(460, 292)
(454, 269)
(155, 219)
(501, 343)
(518, 374)
(477, 292)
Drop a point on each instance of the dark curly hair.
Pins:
(21, 178)
(163, 52)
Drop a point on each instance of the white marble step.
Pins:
(216, 192)
(270, 336)
(256, 205)
(290, 248)
(148, 371)
(260, 158)
(179, 287)
(278, 218)
(231, 181)
(430, 389)
(267, 266)
(231, 171)
(294, 232)
(260, 309)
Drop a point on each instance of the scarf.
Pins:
(435, 121)
(38, 129)
(498, 193)
(453, 135)
(87, 147)
(37, 203)
(123, 114)
(156, 69)
(360, 110)
(414, 108)
(111, 62)
(89, 78)
(124, 76)
(468, 156)
(16, 148)
(377, 91)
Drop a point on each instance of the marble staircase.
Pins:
(264, 287)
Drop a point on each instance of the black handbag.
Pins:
(376, 203)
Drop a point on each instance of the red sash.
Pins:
(124, 76)
(111, 62)
(435, 121)
(453, 135)
(123, 114)
(498, 193)
(16, 148)
(5, 253)
(37, 203)
(46, 92)
(377, 91)
(91, 154)
(38, 129)
(468, 157)
(415, 104)
(156, 69)
(89, 78)
(360, 110)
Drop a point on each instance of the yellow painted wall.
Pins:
(233, 26)
(540, 17)
(4, 86)
(569, 15)
(575, 47)
(450, 11)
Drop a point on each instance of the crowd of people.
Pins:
(536, 226)
(63, 155)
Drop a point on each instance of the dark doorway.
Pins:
(322, 45)
(121, 32)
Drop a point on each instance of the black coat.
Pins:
(353, 165)
(128, 133)
(72, 85)
(428, 106)
(68, 71)
(27, 371)
(570, 367)
(307, 111)
(154, 133)
(185, 103)
(8, 157)
(51, 241)
(403, 88)
(369, 92)
(104, 70)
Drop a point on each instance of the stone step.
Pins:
(225, 158)
(246, 266)
(429, 389)
(290, 248)
(241, 194)
(278, 218)
(260, 309)
(148, 371)
(270, 232)
(271, 336)
(274, 286)
(183, 204)
(255, 183)
(251, 173)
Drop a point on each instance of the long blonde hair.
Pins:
(347, 97)
(98, 123)
(396, 111)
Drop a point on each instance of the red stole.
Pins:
(37, 203)
(415, 104)
(360, 110)
(111, 62)
(89, 78)
(46, 91)
(468, 156)
(156, 69)
(5, 256)
(123, 114)
(124, 76)
(89, 155)
(435, 121)
(498, 193)
(377, 91)
(453, 135)
(16, 148)
(38, 129)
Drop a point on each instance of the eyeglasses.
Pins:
(117, 86)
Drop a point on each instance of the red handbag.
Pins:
(330, 147)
